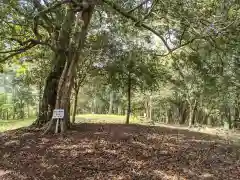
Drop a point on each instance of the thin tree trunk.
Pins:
(236, 113)
(150, 108)
(190, 121)
(28, 110)
(38, 107)
(110, 103)
(191, 112)
(119, 109)
(14, 111)
(129, 98)
(75, 106)
(166, 117)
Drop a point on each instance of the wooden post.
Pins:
(57, 124)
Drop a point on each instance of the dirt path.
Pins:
(126, 152)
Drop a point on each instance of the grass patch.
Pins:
(105, 118)
(6, 125)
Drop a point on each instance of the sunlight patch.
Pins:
(4, 172)
(165, 176)
(12, 143)
(206, 176)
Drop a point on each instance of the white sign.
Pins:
(58, 113)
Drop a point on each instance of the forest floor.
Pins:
(117, 152)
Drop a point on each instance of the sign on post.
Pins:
(58, 114)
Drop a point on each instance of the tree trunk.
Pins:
(48, 100)
(75, 106)
(182, 112)
(150, 108)
(236, 113)
(146, 108)
(119, 110)
(50, 90)
(110, 103)
(28, 110)
(209, 120)
(14, 111)
(191, 113)
(166, 117)
(190, 121)
(129, 98)
(66, 81)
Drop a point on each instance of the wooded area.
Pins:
(170, 62)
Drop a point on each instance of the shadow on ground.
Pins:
(113, 151)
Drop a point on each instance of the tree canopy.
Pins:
(176, 61)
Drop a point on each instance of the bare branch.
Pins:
(178, 47)
(138, 6)
(28, 44)
(17, 51)
(149, 12)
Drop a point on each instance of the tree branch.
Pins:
(28, 44)
(149, 12)
(120, 11)
(17, 51)
(43, 14)
(138, 6)
(176, 48)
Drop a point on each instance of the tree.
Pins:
(130, 71)
(62, 26)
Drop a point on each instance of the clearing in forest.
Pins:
(116, 151)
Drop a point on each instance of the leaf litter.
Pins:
(112, 151)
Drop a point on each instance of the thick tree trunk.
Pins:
(66, 81)
(129, 98)
(48, 100)
(59, 59)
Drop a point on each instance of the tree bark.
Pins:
(166, 117)
(75, 106)
(50, 91)
(129, 98)
(119, 110)
(66, 81)
(150, 108)
(49, 98)
(191, 112)
(110, 103)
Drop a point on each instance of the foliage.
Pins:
(182, 57)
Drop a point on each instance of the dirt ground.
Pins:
(114, 152)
